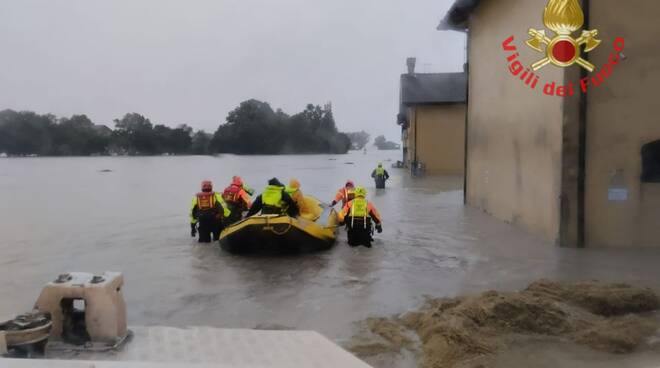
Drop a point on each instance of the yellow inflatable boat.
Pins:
(314, 230)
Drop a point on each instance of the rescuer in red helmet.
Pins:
(207, 213)
(345, 194)
(237, 199)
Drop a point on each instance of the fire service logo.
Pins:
(563, 17)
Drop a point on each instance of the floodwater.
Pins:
(65, 214)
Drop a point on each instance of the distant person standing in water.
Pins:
(380, 176)
(207, 213)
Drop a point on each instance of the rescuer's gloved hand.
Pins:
(248, 190)
(333, 203)
(193, 230)
(379, 228)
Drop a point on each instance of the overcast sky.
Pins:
(193, 61)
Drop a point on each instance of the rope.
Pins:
(272, 227)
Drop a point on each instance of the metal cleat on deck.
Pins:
(25, 335)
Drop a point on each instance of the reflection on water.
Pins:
(62, 214)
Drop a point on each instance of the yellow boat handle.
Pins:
(271, 228)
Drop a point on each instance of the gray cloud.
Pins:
(193, 61)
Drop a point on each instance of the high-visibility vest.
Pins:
(206, 201)
(349, 195)
(359, 208)
(380, 171)
(272, 196)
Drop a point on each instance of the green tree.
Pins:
(314, 131)
(77, 135)
(201, 143)
(251, 128)
(26, 133)
(134, 134)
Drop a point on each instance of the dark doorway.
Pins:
(651, 162)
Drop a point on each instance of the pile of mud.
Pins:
(468, 331)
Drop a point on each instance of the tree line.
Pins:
(252, 128)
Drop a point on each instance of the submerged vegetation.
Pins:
(252, 128)
(383, 144)
(359, 139)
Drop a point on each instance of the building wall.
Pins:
(438, 137)
(514, 162)
(623, 114)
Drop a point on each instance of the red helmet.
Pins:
(207, 186)
(350, 184)
(236, 180)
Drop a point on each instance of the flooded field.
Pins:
(130, 215)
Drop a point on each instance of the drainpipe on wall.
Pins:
(411, 72)
(467, 109)
(415, 136)
(582, 153)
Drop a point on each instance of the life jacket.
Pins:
(360, 210)
(380, 171)
(271, 199)
(232, 193)
(206, 202)
(349, 195)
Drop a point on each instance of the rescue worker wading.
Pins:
(237, 199)
(274, 201)
(359, 216)
(380, 176)
(345, 194)
(207, 211)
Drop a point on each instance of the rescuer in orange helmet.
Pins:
(207, 212)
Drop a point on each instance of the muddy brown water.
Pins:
(72, 214)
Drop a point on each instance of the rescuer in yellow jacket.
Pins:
(274, 200)
(359, 215)
(207, 213)
(293, 190)
(380, 176)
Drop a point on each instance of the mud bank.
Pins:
(471, 331)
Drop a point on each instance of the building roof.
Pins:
(458, 15)
(430, 89)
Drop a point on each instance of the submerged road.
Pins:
(66, 214)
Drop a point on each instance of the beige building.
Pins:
(432, 118)
(581, 169)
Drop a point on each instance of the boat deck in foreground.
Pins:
(209, 347)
